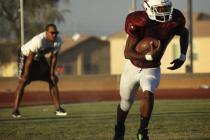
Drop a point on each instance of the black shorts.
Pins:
(39, 69)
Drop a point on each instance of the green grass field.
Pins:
(171, 120)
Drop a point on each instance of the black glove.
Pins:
(177, 63)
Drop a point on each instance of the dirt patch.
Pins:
(40, 97)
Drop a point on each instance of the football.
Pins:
(147, 45)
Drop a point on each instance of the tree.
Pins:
(37, 13)
(7, 51)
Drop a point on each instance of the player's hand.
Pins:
(54, 79)
(23, 79)
(177, 63)
(155, 50)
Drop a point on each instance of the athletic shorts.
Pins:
(39, 69)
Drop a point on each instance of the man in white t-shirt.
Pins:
(33, 66)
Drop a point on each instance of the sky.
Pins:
(107, 17)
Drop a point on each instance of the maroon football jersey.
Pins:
(138, 25)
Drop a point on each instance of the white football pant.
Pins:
(132, 78)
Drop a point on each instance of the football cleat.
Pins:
(16, 114)
(60, 112)
(119, 132)
(142, 135)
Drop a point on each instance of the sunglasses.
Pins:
(54, 33)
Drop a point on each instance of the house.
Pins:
(81, 54)
(117, 46)
(8, 58)
(201, 49)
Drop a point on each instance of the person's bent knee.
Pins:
(125, 105)
(56, 79)
(23, 82)
(52, 83)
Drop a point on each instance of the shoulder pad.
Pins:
(135, 21)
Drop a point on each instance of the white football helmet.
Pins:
(159, 10)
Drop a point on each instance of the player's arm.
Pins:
(28, 63)
(177, 63)
(184, 34)
(53, 61)
(130, 52)
(134, 27)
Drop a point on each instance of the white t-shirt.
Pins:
(40, 46)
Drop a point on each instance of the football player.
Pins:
(34, 66)
(161, 21)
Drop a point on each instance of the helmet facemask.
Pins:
(161, 12)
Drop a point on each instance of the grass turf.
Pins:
(171, 120)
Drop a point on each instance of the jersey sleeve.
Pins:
(35, 44)
(57, 45)
(180, 19)
(134, 24)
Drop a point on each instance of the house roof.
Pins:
(121, 34)
(70, 42)
(201, 25)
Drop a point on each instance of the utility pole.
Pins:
(190, 27)
(133, 6)
(21, 23)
